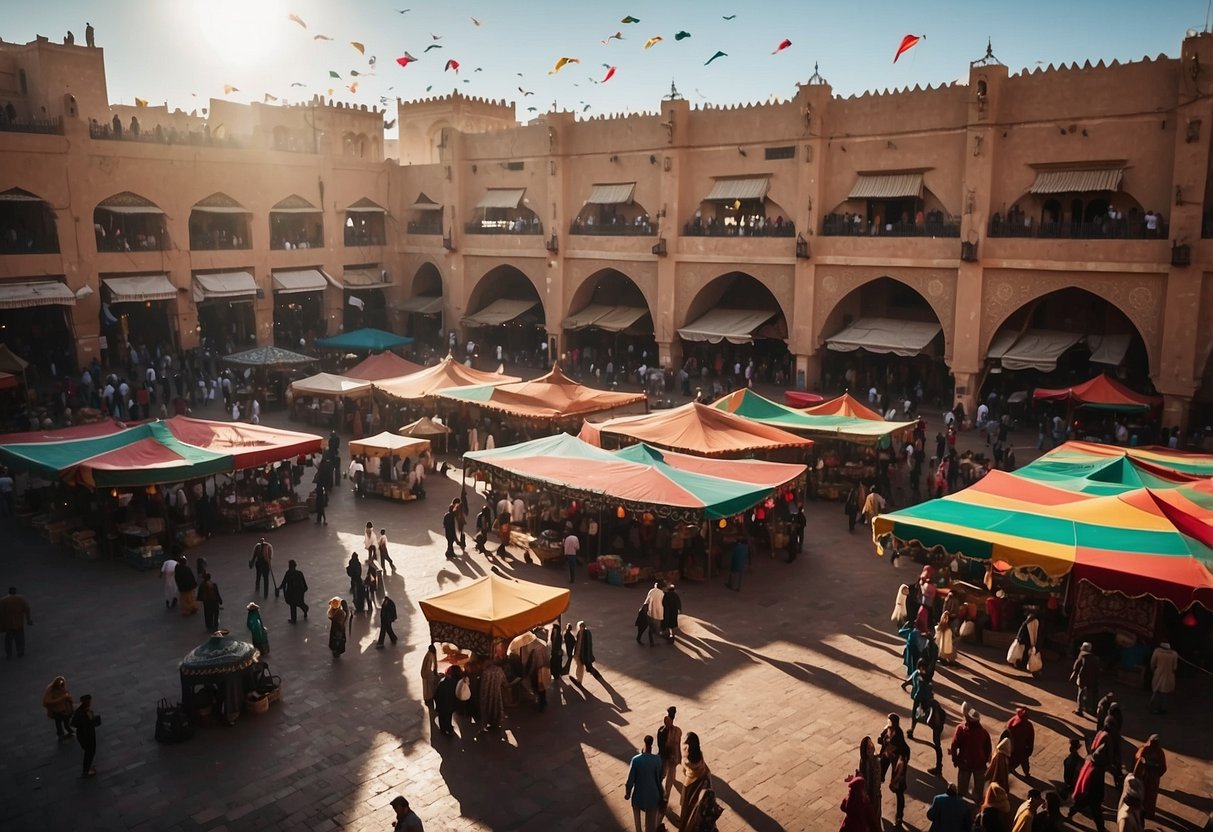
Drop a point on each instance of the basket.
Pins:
(255, 703)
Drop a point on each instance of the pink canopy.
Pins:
(251, 445)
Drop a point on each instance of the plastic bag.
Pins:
(967, 629)
(1015, 652)
(1035, 662)
(463, 690)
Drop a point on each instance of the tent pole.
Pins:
(709, 549)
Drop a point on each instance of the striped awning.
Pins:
(35, 293)
(729, 190)
(303, 280)
(1077, 181)
(139, 289)
(501, 198)
(224, 286)
(887, 186)
(618, 194)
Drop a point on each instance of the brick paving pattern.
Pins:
(781, 681)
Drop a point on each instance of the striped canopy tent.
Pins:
(1097, 469)
(845, 405)
(1144, 541)
(640, 479)
(864, 431)
(553, 398)
(694, 428)
(1102, 392)
(445, 375)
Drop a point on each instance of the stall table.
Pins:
(141, 548)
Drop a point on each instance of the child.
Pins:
(1071, 764)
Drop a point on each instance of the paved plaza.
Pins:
(781, 681)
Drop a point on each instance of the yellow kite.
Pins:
(562, 63)
(653, 41)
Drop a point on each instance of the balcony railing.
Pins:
(769, 229)
(622, 230)
(158, 135)
(1122, 229)
(209, 243)
(841, 226)
(504, 227)
(52, 126)
(425, 228)
(137, 242)
(357, 238)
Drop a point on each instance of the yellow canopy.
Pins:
(492, 608)
(388, 443)
(327, 384)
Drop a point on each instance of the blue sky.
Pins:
(185, 51)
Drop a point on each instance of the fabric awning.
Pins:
(1003, 341)
(501, 198)
(130, 206)
(736, 326)
(500, 311)
(361, 278)
(618, 194)
(224, 285)
(366, 339)
(294, 204)
(382, 365)
(698, 429)
(422, 305)
(18, 195)
(35, 293)
(1109, 350)
(621, 318)
(1077, 181)
(729, 190)
(586, 317)
(491, 608)
(1038, 349)
(887, 186)
(139, 289)
(221, 209)
(389, 444)
(886, 336)
(444, 375)
(1102, 392)
(365, 206)
(305, 280)
(424, 203)
(328, 385)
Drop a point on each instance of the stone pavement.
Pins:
(781, 681)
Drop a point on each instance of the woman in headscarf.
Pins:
(999, 769)
(261, 636)
(187, 586)
(912, 651)
(570, 648)
(58, 703)
(696, 779)
(584, 651)
(995, 814)
(900, 615)
(429, 676)
(1089, 789)
(357, 588)
(557, 663)
(856, 811)
(1149, 766)
(869, 772)
(445, 699)
(337, 619)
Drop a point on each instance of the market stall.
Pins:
(486, 614)
(265, 370)
(844, 405)
(315, 399)
(428, 428)
(551, 402)
(698, 429)
(1102, 392)
(402, 399)
(382, 365)
(389, 460)
(367, 339)
(224, 676)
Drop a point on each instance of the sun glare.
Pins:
(240, 32)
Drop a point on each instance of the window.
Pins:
(787, 152)
(515, 165)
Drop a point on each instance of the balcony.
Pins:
(49, 126)
(515, 227)
(697, 228)
(425, 228)
(854, 225)
(632, 229)
(1133, 228)
(158, 135)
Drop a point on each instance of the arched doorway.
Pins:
(885, 336)
(27, 222)
(1059, 339)
(609, 320)
(423, 311)
(735, 333)
(505, 316)
(129, 222)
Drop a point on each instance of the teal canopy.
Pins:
(367, 339)
(749, 405)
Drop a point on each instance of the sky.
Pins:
(184, 52)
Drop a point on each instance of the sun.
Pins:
(240, 32)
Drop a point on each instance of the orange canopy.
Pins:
(446, 374)
(695, 428)
(845, 405)
(552, 396)
(1103, 391)
(492, 608)
(380, 366)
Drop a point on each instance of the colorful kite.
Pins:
(452, 64)
(653, 41)
(609, 38)
(714, 57)
(610, 73)
(783, 44)
(140, 102)
(228, 89)
(906, 44)
(430, 87)
(330, 91)
(682, 36)
(432, 46)
(405, 59)
(630, 19)
(478, 69)
(353, 87)
(321, 37)
(562, 63)
(360, 47)
(297, 19)
(334, 74)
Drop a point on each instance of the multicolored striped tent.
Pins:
(1108, 469)
(1142, 541)
(839, 425)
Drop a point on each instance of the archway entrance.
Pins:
(885, 336)
(1063, 338)
(506, 318)
(610, 324)
(735, 334)
(422, 312)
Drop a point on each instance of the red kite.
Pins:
(609, 74)
(906, 44)
(405, 59)
(452, 64)
(783, 44)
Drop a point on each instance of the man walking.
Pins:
(384, 557)
(669, 749)
(406, 818)
(572, 545)
(85, 723)
(293, 589)
(208, 594)
(970, 752)
(387, 615)
(1085, 674)
(14, 615)
(1163, 665)
(671, 605)
(654, 603)
(322, 501)
(263, 554)
(448, 528)
(167, 570)
(643, 787)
